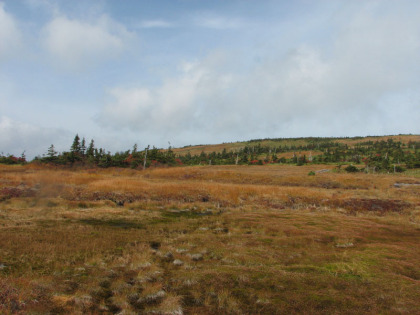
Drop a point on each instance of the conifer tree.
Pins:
(83, 147)
(51, 153)
(91, 149)
(75, 147)
(23, 157)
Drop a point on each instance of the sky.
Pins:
(190, 72)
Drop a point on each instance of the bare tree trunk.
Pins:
(145, 158)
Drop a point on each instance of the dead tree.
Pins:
(145, 157)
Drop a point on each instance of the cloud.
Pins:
(10, 35)
(155, 24)
(177, 105)
(217, 22)
(76, 44)
(17, 136)
(351, 85)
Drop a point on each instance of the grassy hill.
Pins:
(235, 146)
(382, 153)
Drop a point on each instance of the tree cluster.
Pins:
(11, 159)
(80, 154)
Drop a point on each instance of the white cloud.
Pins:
(17, 136)
(217, 22)
(155, 24)
(179, 104)
(76, 44)
(10, 36)
(344, 87)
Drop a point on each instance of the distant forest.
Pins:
(381, 155)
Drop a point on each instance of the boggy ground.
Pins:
(208, 240)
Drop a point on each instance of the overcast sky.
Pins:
(199, 72)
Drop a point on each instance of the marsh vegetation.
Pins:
(208, 240)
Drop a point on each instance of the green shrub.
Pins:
(351, 169)
(398, 169)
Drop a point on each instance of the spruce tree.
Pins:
(51, 152)
(91, 149)
(75, 147)
(83, 147)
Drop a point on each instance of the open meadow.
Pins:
(208, 240)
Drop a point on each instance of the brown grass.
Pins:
(247, 240)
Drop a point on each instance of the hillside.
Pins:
(275, 142)
(384, 154)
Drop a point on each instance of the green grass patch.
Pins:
(113, 223)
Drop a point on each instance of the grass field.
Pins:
(208, 240)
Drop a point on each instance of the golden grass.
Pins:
(245, 239)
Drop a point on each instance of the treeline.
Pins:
(381, 155)
(88, 155)
(378, 156)
(11, 159)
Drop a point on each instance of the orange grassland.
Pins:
(208, 240)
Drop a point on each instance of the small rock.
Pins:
(344, 245)
(196, 257)
(178, 262)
